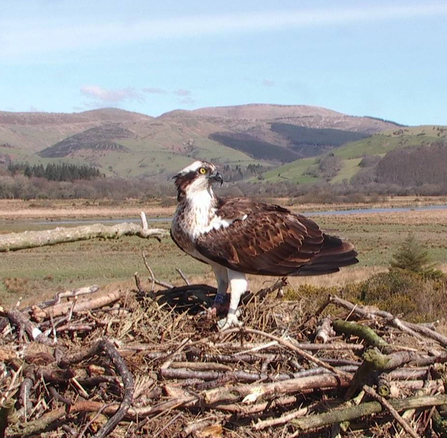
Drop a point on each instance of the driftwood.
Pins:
(33, 239)
(131, 366)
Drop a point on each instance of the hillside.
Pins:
(300, 115)
(128, 144)
(362, 159)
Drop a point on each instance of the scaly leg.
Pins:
(221, 274)
(238, 284)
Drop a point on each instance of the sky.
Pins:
(385, 59)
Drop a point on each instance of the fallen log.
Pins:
(33, 239)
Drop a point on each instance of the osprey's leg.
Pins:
(221, 274)
(238, 284)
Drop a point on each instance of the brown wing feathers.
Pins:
(270, 240)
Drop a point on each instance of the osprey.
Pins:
(238, 237)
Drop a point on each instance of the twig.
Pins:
(152, 276)
(85, 428)
(106, 346)
(370, 391)
(364, 409)
(294, 348)
(185, 279)
(172, 420)
(283, 419)
(23, 323)
(128, 383)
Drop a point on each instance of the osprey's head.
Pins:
(197, 177)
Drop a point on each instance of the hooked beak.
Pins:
(216, 176)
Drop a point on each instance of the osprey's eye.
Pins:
(203, 170)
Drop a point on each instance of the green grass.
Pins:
(72, 265)
(352, 153)
(67, 266)
(348, 170)
(295, 172)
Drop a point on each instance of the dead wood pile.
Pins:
(100, 363)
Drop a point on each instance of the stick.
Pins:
(152, 277)
(283, 419)
(362, 410)
(324, 331)
(128, 383)
(93, 303)
(374, 361)
(294, 348)
(23, 323)
(250, 393)
(373, 314)
(144, 223)
(362, 331)
(391, 410)
(183, 276)
(106, 346)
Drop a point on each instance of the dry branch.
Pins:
(415, 330)
(365, 409)
(94, 303)
(362, 331)
(24, 324)
(324, 331)
(250, 393)
(33, 239)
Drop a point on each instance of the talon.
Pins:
(220, 306)
(230, 321)
(212, 312)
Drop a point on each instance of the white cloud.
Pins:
(188, 101)
(112, 96)
(182, 92)
(154, 90)
(268, 83)
(33, 36)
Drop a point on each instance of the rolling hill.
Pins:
(129, 144)
(396, 143)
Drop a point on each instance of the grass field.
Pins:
(351, 153)
(33, 272)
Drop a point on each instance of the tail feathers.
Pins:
(334, 255)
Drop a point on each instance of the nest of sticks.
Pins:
(101, 362)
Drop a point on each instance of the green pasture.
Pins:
(66, 266)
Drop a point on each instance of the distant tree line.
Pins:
(56, 171)
(246, 181)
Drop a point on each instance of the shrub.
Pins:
(410, 294)
(412, 256)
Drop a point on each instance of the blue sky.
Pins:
(381, 58)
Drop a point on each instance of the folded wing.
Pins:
(270, 240)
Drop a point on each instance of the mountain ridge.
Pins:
(160, 145)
